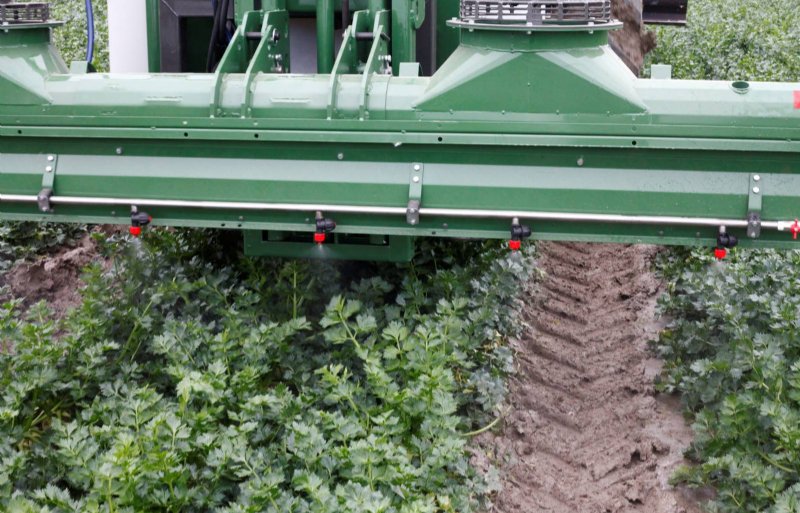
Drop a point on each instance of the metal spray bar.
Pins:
(368, 210)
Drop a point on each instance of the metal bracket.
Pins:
(754, 202)
(414, 194)
(380, 59)
(271, 55)
(48, 181)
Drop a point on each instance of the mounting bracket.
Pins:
(754, 202)
(414, 193)
(48, 181)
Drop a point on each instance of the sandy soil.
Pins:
(586, 431)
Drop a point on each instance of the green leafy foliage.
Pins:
(185, 382)
(733, 40)
(733, 351)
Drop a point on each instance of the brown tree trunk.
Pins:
(633, 41)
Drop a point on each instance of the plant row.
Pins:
(191, 380)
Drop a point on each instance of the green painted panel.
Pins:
(516, 122)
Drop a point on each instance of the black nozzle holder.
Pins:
(727, 241)
(325, 225)
(140, 219)
(520, 231)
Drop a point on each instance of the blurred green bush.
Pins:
(71, 38)
(733, 40)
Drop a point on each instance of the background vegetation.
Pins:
(733, 40)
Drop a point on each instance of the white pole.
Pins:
(127, 36)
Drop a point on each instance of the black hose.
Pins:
(211, 59)
(223, 23)
(89, 32)
(345, 14)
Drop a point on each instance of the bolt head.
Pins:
(416, 179)
(49, 169)
(756, 190)
(340, 156)
(50, 158)
(756, 178)
(119, 151)
(417, 167)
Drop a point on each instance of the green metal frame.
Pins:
(153, 36)
(539, 126)
(376, 248)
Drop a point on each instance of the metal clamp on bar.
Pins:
(43, 199)
(754, 225)
(414, 194)
(48, 181)
(754, 202)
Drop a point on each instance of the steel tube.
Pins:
(325, 35)
(208, 205)
(153, 37)
(404, 42)
(435, 212)
(589, 218)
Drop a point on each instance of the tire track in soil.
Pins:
(586, 432)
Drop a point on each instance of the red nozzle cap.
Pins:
(720, 253)
(514, 245)
(135, 230)
(319, 238)
(795, 229)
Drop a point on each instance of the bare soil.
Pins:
(55, 278)
(586, 431)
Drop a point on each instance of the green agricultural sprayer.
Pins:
(520, 122)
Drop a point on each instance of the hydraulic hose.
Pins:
(89, 32)
(212, 44)
(219, 34)
(345, 14)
